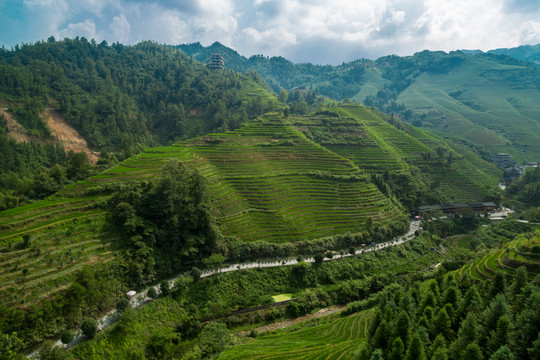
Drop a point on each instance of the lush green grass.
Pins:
(332, 337)
(487, 102)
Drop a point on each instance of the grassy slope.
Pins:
(331, 337)
(491, 111)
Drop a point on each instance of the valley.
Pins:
(169, 210)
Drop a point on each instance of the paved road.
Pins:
(140, 299)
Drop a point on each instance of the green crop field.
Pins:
(330, 337)
(268, 181)
(521, 251)
(373, 144)
(478, 101)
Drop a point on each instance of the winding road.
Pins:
(141, 298)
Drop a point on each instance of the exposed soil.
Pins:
(65, 133)
(68, 136)
(289, 322)
(15, 130)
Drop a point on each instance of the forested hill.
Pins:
(118, 94)
(119, 98)
(487, 99)
(523, 52)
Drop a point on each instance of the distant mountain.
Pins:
(524, 52)
(487, 99)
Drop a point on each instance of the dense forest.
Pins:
(120, 98)
(337, 82)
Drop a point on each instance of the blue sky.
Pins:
(318, 31)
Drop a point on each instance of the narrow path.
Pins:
(289, 322)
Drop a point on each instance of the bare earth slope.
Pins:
(15, 130)
(68, 136)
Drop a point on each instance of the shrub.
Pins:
(122, 305)
(196, 273)
(164, 288)
(152, 293)
(319, 258)
(89, 327)
(67, 337)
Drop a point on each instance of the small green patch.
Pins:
(282, 297)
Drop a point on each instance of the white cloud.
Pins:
(86, 28)
(529, 33)
(299, 29)
(121, 28)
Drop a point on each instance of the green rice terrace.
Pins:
(330, 337)
(268, 180)
(523, 251)
(453, 172)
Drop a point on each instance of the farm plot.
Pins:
(323, 338)
(520, 252)
(285, 188)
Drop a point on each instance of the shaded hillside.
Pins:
(487, 99)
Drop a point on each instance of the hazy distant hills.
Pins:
(524, 52)
(490, 99)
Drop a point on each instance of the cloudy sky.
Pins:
(318, 31)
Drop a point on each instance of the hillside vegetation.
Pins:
(470, 97)
(269, 183)
(119, 98)
(412, 164)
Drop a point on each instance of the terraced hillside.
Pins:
(268, 181)
(524, 250)
(355, 132)
(325, 338)
(487, 99)
(45, 243)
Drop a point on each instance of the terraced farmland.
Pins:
(267, 180)
(271, 183)
(455, 173)
(523, 251)
(324, 338)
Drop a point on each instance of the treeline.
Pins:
(448, 317)
(122, 98)
(164, 226)
(337, 82)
